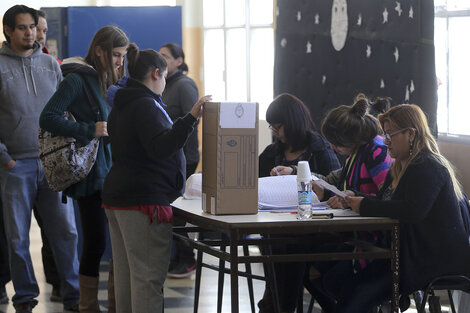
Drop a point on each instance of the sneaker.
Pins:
(55, 294)
(71, 309)
(3, 296)
(24, 307)
(182, 270)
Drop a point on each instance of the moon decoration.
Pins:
(368, 51)
(317, 19)
(412, 86)
(359, 20)
(339, 24)
(283, 42)
(323, 79)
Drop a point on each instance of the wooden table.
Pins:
(238, 227)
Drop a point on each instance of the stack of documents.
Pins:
(279, 193)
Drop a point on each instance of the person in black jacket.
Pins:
(423, 193)
(148, 173)
(296, 140)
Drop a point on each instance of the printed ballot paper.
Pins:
(328, 186)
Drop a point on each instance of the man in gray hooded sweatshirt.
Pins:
(28, 78)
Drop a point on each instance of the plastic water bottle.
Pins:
(304, 188)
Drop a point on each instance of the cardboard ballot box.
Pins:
(230, 158)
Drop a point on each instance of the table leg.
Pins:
(395, 267)
(234, 269)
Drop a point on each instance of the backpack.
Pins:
(64, 160)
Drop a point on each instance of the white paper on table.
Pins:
(279, 192)
(238, 114)
(328, 186)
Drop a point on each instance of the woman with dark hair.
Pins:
(148, 174)
(421, 190)
(296, 140)
(179, 95)
(102, 66)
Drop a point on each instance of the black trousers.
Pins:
(94, 222)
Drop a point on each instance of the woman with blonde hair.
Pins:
(423, 193)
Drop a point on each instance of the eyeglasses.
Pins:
(275, 127)
(388, 137)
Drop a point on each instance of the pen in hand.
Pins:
(276, 171)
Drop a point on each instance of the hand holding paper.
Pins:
(330, 187)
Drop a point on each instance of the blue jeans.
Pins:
(23, 186)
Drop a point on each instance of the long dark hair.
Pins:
(140, 63)
(107, 38)
(291, 112)
(177, 52)
(350, 126)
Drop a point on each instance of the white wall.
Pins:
(265, 137)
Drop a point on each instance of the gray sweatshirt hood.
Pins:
(26, 84)
(6, 50)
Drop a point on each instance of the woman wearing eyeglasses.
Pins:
(423, 193)
(296, 140)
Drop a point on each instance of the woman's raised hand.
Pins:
(196, 111)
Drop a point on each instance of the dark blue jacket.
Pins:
(148, 160)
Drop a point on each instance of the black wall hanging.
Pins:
(327, 51)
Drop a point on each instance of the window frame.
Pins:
(248, 27)
(443, 12)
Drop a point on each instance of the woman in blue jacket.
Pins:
(148, 173)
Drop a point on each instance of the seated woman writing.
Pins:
(422, 192)
(296, 140)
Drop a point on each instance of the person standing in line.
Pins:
(22, 180)
(102, 66)
(148, 173)
(180, 95)
(50, 269)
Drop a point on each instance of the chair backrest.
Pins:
(465, 212)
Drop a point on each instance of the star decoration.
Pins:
(385, 15)
(412, 86)
(323, 79)
(398, 8)
(317, 19)
(283, 42)
(299, 16)
(407, 94)
(382, 84)
(368, 51)
(309, 47)
(359, 20)
(411, 13)
(396, 54)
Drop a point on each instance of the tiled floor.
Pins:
(179, 293)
